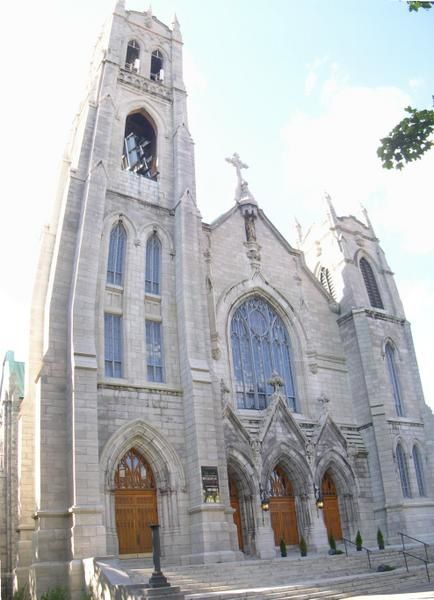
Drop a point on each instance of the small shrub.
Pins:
(382, 568)
(22, 594)
(303, 546)
(359, 541)
(282, 548)
(332, 542)
(57, 593)
(380, 539)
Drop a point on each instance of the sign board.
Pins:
(210, 485)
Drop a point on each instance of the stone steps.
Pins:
(291, 577)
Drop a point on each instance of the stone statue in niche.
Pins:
(250, 228)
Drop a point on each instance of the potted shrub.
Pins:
(380, 539)
(303, 546)
(282, 548)
(359, 541)
(332, 544)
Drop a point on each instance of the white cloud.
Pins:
(416, 82)
(336, 151)
(313, 74)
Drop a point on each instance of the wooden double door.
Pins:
(135, 504)
(332, 519)
(282, 508)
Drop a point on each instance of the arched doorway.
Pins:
(135, 503)
(235, 504)
(282, 508)
(332, 518)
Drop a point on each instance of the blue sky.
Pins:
(302, 90)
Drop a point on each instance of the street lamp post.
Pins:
(157, 578)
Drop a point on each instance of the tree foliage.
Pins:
(414, 5)
(409, 140)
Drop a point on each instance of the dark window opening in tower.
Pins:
(140, 145)
(326, 281)
(132, 60)
(371, 284)
(157, 71)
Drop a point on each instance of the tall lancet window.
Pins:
(394, 380)
(418, 467)
(157, 71)
(115, 266)
(132, 59)
(371, 284)
(153, 265)
(403, 471)
(260, 345)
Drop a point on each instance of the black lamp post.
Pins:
(157, 578)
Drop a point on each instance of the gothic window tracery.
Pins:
(132, 59)
(370, 284)
(153, 265)
(134, 472)
(280, 485)
(394, 380)
(403, 471)
(260, 345)
(115, 263)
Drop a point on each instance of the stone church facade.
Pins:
(192, 374)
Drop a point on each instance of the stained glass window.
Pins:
(403, 471)
(260, 345)
(153, 265)
(154, 351)
(115, 266)
(280, 485)
(113, 345)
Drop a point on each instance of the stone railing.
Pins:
(143, 84)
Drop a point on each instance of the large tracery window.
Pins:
(260, 345)
(371, 284)
(403, 471)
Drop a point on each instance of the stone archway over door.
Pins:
(282, 508)
(135, 503)
(235, 504)
(332, 519)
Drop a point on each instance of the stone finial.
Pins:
(331, 208)
(119, 6)
(148, 16)
(367, 219)
(324, 402)
(276, 382)
(242, 192)
(175, 24)
(224, 388)
(299, 231)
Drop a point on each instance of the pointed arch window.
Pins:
(132, 59)
(418, 467)
(403, 471)
(260, 345)
(394, 380)
(134, 473)
(140, 146)
(157, 71)
(371, 284)
(326, 281)
(153, 265)
(116, 257)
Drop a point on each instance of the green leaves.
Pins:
(414, 5)
(409, 140)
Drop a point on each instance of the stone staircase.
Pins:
(318, 576)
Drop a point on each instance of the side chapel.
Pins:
(195, 374)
